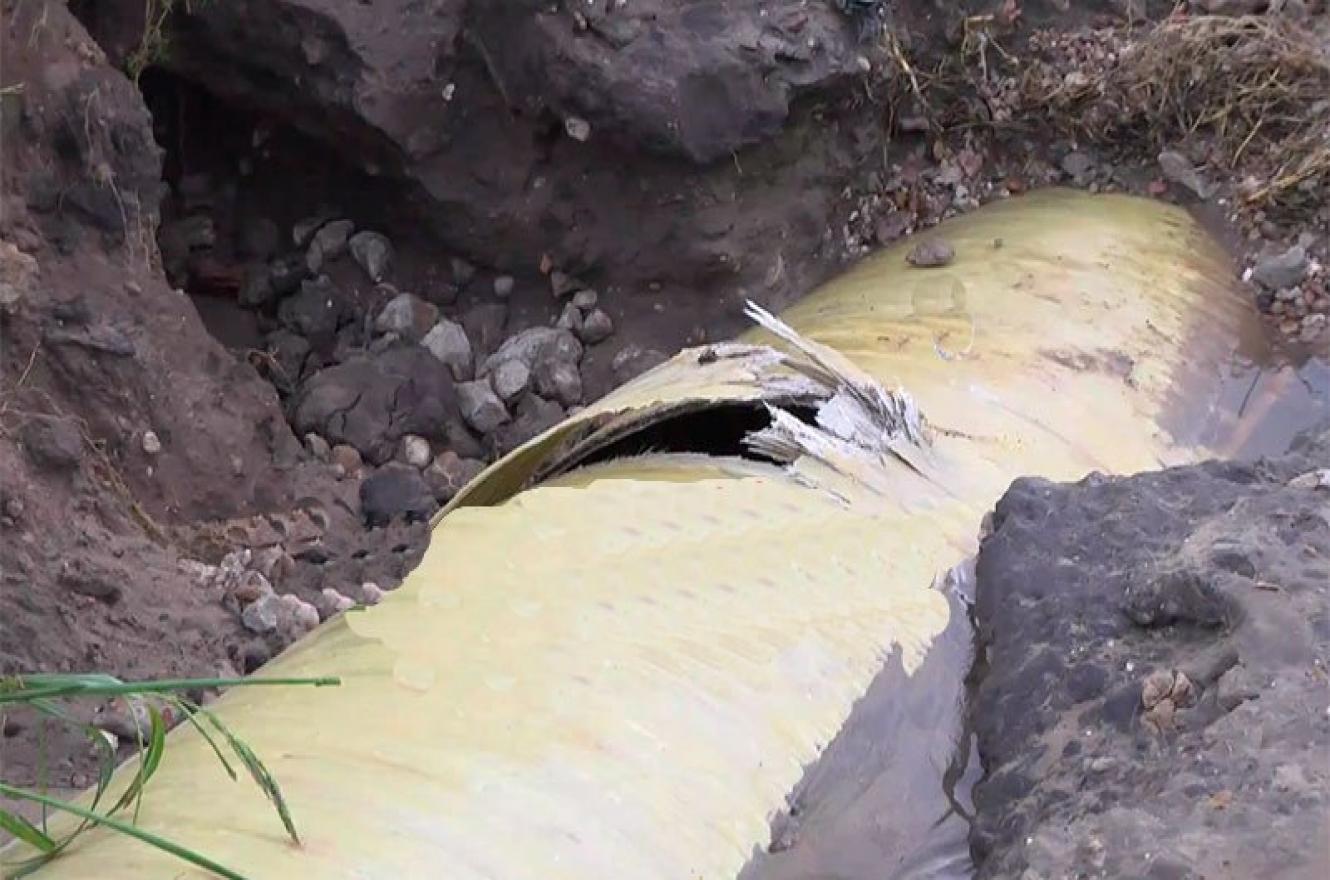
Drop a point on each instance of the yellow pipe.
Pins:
(622, 669)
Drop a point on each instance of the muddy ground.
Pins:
(277, 277)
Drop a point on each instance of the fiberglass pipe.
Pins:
(622, 669)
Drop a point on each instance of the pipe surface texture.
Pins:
(615, 662)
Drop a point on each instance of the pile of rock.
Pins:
(1293, 290)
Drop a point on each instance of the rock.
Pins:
(370, 401)
(346, 459)
(258, 239)
(931, 253)
(260, 616)
(534, 415)
(485, 323)
(448, 342)
(328, 244)
(257, 290)
(285, 273)
(585, 299)
(562, 284)
(371, 593)
(374, 252)
(571, 319)
(332, 603)
(254, 655)
(407, 315)
(1229, 615)
(558, 380)
(463, 272)
(303, 231)
(316, 311)
(632, 360)
(18, 273)
(1178, 169)
(52, 443)
(317, 446)
(448, 474)
(577, 128)
(250, 587)
(481, 407)
(415, 451)
(533, 345)
(295, 617)
(1282, 270)
(463, 442)
(1077, 165)
(510, 380)
(150, 443)
(503, 286)
(395, 491)
(597, 327)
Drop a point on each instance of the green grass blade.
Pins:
(187, 710)
(24, 689)
(262, 777)
(25, 831)
(139, 834)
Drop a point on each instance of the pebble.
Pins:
(450, 473)
(373, 252)
(481, 407)
(334, 602)
(931, 254)
(1178, 169)
(503, 286)
(297, 616)
(328, 243)
(571, 319)
(371, 593)
(347, 459)
(415, 450)
(407, 315)
(1281, 270)
(152, 444)
(585, 299)
(597, 327)
(448, 342)
(463, 272)
(558, 380)
(577, 128)
(317, 446)
(511, 380)
(534, 345)
(260, 616)
(395, 491)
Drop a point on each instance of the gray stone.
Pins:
(558, 380)
(332, 603)
(510, 380)
(328, 243)
(371, 401)
(260, 616)
(503, 286)
(407, 315)
(52, 443)
(1282, 270)
(931, 253)
(481, 407)
(415, 450)
(395, 491)
(305, 228)
(449, 474)
(259, 239)
(1178, 169)
(571, 319)
(151, 444)
(585, 299)
(536, 344)
(257, 290)
(448, 342)
(290, 352)
(597, 327)
(533, 416)
(460, 440)
(371, 593)
(316, 311)
(463, 272)
(317, 446)
(374, 252)
(1077, 165)
(485, 323)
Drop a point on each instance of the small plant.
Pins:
(151, 704)
(153, 45)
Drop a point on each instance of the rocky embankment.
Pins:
(1154, 689)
